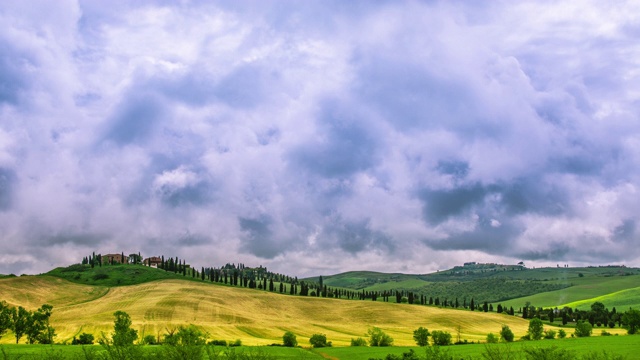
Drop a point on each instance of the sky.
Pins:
(316, 137)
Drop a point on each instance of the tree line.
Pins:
(22, 322)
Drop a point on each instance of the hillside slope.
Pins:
(229, 313)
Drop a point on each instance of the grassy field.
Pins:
(585, 289)
(626, 346)
(229, 313)
(23, 352)
(621, 345)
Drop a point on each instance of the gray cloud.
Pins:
(235, 132)
(7, 184)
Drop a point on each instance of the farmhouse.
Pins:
(152, 261)
(114, 258)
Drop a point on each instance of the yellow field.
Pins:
(228, 313)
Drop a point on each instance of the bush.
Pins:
(492, 339)
(549, 334)
(217, 342)
(421, 336)
(535, 329)
(289, 339)
(583, 329)
(187, 343)
(441, 338)
(377, 337)
(545, 353)
(238, 342)
(358, 342)
(149, 340)
(100, 276)
(562, 334)
(506, 334)
(605, 333)
(319, 340)
(83, 339)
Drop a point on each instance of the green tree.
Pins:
(289, 339)
(319, 340)
(187, 343)
(123, 334)
(441, 338)
(421, 336)
(19, 321)
(562, 334)
(491, 338)
(506, 334)
(38, 328)
(5, 318)
(377, 337)
(631, 320)
(583, 329)
(358, 342)
(535, 329)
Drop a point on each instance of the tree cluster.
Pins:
(32, 324)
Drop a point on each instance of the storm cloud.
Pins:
(320, 137)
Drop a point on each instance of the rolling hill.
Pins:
(255, 317)
(509, 285)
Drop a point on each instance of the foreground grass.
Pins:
(626, 346)
(25, 352)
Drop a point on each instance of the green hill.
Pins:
(114, 275)
(511, 285)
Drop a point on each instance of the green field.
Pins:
(626, 346)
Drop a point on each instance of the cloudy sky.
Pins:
(320, 136)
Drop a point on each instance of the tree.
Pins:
(5, 318)
(38, 328)
(289, 339)
(19, 321)
(123, 334)
(421, 336)
(535, 329)
(377, 337)
(187, 343)
(491, 338)
(506, 334)
(319, 340)
(583, 329)
(441, 338)
(631, 320)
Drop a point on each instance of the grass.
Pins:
(23, 351)
(622, 345)
(584, 289)
(229, 313)
(114, 275)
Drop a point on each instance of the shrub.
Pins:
(491, 339)
(289, 339)
(605, 333)
(552, 352)
(535, 329)
(506, 334)
(421, 336)
(83, 339)
(583, 329)
(562, 334)
(377, 337)
(187, 343)
(441, 338)
(217, 342)
(319, 340)
(149, 340)
(358, 342)
(100, 276)
(549, 334)
(238, 342)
